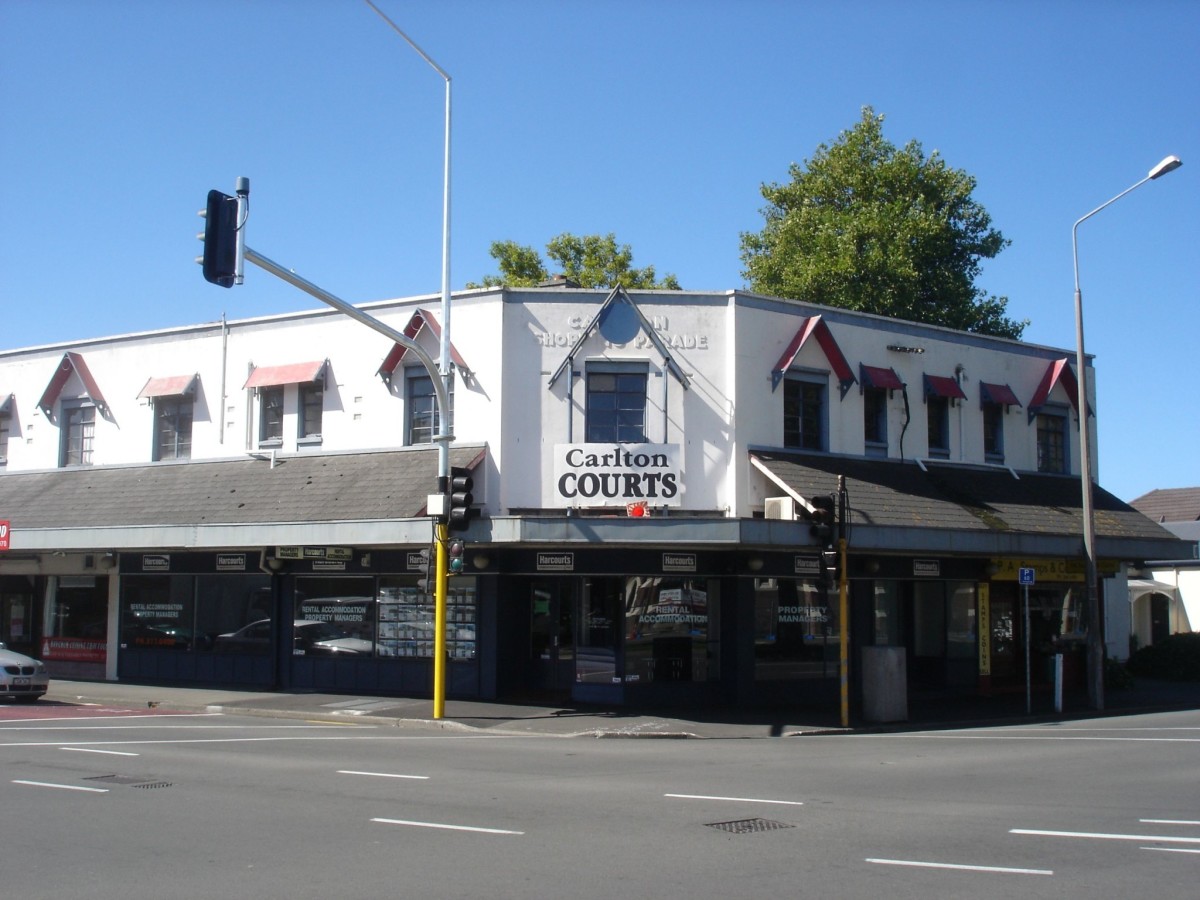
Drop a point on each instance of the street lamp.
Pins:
(1095, 645)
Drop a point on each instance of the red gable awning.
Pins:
(71, 364)
(422, 318)
(1058, 372)
(815, 326)
(294, 373)
(169, 386)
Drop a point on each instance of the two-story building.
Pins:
(245, 502)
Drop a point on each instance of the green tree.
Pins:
(867, 226)
(590, 261)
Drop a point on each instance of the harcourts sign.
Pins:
(614, 474)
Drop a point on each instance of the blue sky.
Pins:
(658, 121)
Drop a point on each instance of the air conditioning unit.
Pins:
(780, 508)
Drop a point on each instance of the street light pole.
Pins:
(1095, 643)
(446, 429)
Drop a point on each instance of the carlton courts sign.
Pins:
(615, 474)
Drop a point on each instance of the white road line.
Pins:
(1169, 822)
(1100, 836)
(734, 799)
(291, 727)
(1170, 849)
(383, 774)
(445, 827)
(1059, 737)
(62, 787)
(963, 868)
(266, 740)
(16, 724)
(93, 750)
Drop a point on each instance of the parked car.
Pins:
(22, 677)
(310, 638)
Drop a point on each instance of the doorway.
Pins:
(552, 603)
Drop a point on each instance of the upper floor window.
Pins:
(421, 404)
(1052, 443)
(803, 413)
(5, 428)
(312, 405)
(938, 411)
(616, 403)
(993, 432)
(270, 416)
(78, 434)
(173, 427)
(875, 421)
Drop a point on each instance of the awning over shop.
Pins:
(945, 387)
(170, 386)
(420, 319)
(997, 393)
(952, 508)
(294, 373)
(878, 377)
(1139, 587)
(1058, 372)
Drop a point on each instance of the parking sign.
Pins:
(1026, 576)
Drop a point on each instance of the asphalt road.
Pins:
(105, 803)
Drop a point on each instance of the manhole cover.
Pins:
(749, 826)
(131, 780)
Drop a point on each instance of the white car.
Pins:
(22, 677)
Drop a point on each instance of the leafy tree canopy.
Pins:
(868, 226)
(590, 261)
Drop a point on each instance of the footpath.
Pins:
(466, 716)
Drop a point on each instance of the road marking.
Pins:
(267, 740)
(1100, 836)
(383, 774)
(1170, 849)
(62, 787)
(1048, 737)
(958, 867)
(445, 827)
(93, 750)
(1169, 822)
(734, 799)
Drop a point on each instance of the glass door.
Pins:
(552, 634)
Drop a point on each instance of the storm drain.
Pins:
(131, 780)
(749, 826)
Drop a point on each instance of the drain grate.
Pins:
(749, 826)
(131, 780)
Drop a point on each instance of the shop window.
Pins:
(667, 622)
(421, 406)
(78, 434)
(270, 416)
(796, 633)
(78, 608)
(173, 427)
(196, 613)
(888, 626)
(993, 432)
(405, 618)
(937, 409)
(616, 403)
(875, 421)
(312, 404)
(1052, 443)
(804, 413)
(600, 633)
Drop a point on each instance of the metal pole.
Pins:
(843, 604)
(1028, 672)
(445, 426)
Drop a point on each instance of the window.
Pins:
(5, 427)
(938, 410)
(78, 435)
(312, 403)
(993, 432)
(1051, 443)
(803, 414)
(270, 412)
(172, 428)
(875, 421)
(616, 403)
(422, 406)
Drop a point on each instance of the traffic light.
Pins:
(454, 556)
(829, 567)
(220, 239)
(459, 511)
(823, 522)
(427, 583)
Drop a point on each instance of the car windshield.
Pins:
(320, 631)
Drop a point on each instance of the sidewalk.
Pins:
(468, 716)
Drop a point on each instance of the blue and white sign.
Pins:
(1027, 576)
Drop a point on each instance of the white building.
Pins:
(652, 469)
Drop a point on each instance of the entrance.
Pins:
(552, 634)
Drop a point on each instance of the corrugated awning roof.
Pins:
(294, 373)
(942, 386)
(814, 326)
(877, 377)
(997, 393)
(422, 318)
(1058, 372)
(71, 364)
(170, 386)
